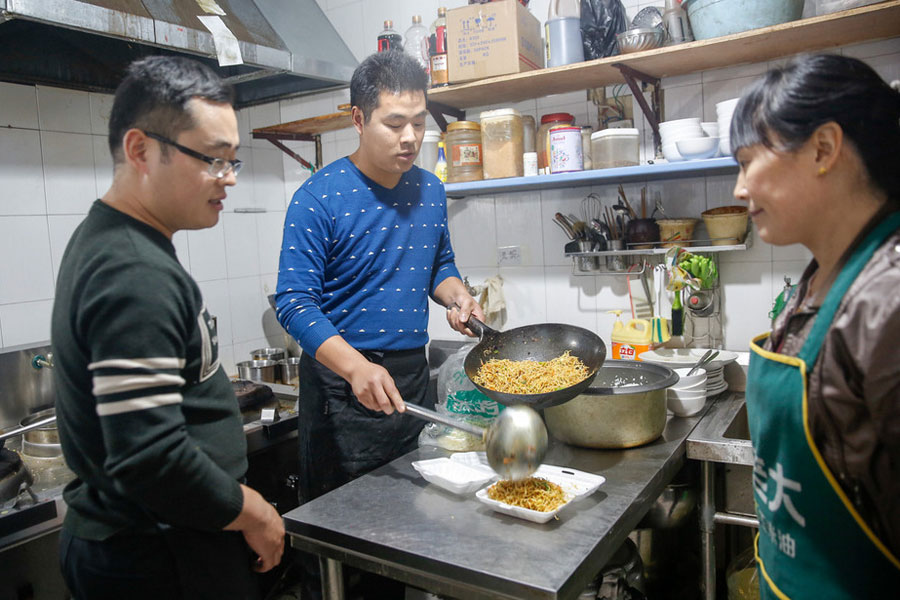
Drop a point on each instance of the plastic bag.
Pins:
(458, 398)
(742, 576)
(601, 20)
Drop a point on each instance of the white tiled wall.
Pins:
(54, 161)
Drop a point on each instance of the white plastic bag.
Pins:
(458, 398)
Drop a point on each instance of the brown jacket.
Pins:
(854, 387)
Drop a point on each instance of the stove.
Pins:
(33, 505)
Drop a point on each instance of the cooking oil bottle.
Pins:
(631, 339)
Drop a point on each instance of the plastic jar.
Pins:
(528, 133)
(463, 152)
(586, 133)
(502, 140)
(565, 149)
(542, 143)
(615, 148)
(428, 153)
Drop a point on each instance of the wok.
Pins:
(535, 342)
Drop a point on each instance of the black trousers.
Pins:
(174, 564)
(341, 440)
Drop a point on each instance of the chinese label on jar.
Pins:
(565, 149)
(466, 154)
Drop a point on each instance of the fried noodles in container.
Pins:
(534, 493)
(531, 376)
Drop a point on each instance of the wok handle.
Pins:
(475, 324)
(430, 415)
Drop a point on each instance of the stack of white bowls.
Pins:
(688, 396)
(671, 132)
(724, 112)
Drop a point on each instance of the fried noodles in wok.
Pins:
(531, 376)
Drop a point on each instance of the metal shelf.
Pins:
(616, 175)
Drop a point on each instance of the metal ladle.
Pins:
(516, 441)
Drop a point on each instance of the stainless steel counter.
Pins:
(393, 522)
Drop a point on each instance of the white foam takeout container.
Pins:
(576, 485)
(454, 476)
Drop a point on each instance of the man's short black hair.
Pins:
(154, 96)
(392, 71)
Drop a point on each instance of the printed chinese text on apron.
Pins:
(812, 543)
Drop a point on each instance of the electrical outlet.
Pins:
(509, 256)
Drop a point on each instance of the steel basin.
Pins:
(722, 435)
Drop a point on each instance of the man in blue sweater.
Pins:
(365, 245)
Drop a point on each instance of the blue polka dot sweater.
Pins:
(360, 260)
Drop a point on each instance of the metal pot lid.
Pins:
(622, 377)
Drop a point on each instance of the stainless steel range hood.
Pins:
(288, 47)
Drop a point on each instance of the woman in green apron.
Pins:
(818, 144)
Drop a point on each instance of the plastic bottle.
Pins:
(438, 50)
(415, 42)
(440, 167)
(389, 39)
(630, 340)
(676, 23)
(562, 33)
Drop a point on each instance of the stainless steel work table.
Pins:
(395, 523)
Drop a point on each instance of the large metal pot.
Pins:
(41, 441)
(625, 406)
(261, 371)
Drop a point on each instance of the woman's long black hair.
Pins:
(785, 107)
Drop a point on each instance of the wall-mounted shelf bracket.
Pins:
(651, 112)
(275, 140)
(438, 111)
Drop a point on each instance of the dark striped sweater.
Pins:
(147, 419)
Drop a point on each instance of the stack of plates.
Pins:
(676, 358)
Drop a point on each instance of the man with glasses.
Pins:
(147, 418)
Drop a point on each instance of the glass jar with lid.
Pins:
(543, 139)
(464, 155)
(502, 140)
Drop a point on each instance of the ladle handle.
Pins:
(430, 415)
(24, 428)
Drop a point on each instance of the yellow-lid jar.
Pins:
(464, 152)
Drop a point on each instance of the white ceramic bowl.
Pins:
(697, 148)
(686, 394)
(727, 105)
(692, 121)
(684, 380)
(725, 146)
(670, 152)
(684, 407)
(700, 386)
(680, 132)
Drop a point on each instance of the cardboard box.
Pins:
(486, 40)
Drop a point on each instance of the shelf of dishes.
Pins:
(614, 175)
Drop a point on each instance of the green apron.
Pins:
(811, 542)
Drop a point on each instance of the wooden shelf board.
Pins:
(866, 23)
(311, 126)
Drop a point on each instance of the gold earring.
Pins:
(822, 171)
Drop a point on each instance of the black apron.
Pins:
(339, 438)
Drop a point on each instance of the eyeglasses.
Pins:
(218, 167)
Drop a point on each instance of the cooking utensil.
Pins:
(42, 440)
(26, 427)
(624, 407)
(262, 371)
(515, 442)
(534, 342)
(564, 225)
(705, 359)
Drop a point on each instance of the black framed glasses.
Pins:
(218, 167)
